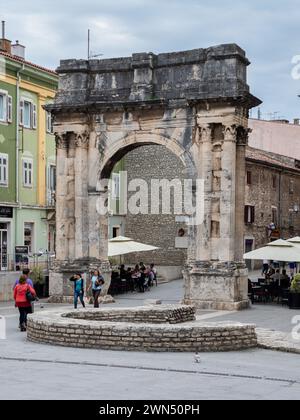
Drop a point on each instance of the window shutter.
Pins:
(252, 214)
(22, 113)
(4, 113)
(246, 215)
(9, 109)
(34, 115)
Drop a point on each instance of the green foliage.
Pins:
(295, 286)
(37, 275)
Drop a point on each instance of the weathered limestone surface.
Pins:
(194, 103)
(171, 314)
(57, 329)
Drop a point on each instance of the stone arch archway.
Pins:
(135, 140)
(196, 104)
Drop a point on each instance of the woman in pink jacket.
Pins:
(22, 302)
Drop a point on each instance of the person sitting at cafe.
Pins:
(123, 272)
(285, 281)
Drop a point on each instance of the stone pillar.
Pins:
(81, 196)
(242, 141)
(56, 283)
(218, 279)
(227, 198)
(205, 173)
(62, 253)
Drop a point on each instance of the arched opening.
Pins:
(156, 166)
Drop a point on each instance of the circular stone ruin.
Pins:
(171, 328)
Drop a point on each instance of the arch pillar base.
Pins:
(61, 289)
(218, 286)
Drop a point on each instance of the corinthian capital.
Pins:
(61, 140)
(82, 139)
(230, 132)
(242, 135)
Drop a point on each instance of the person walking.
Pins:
(25, 273)
(97, 282)
(21, 294)
(78, 289)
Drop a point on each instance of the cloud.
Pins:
(267, 30)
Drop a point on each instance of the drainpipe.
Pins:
(17, 144)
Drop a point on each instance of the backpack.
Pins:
(100, 282)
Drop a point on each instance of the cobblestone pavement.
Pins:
(34, 371)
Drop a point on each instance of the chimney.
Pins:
(18, 50)
(297, 121)
(5, 44)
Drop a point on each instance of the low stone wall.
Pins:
(7, 280)
(171, 314)
(58, 329)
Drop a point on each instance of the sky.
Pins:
(269, 31)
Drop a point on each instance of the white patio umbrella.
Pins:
(122, 245)
(276, 251)
(295, 241)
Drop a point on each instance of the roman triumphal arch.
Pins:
(194, 103)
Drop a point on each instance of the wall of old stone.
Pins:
(283, 195)
(147, 163)
(50, 328)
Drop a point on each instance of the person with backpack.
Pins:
(78, 289)
(97, 282)
(24, 295)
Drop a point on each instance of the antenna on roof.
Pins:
(259, 114)
(90, 55)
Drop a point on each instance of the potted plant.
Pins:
(38, 279)
(294, 298)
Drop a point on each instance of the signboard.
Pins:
(21, 250)
(6, 212)
(21, 257)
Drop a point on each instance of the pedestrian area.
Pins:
(67, 373)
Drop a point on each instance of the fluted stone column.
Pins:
(242, 141)
(205, 173)
(62, 253)
(228, 198)
(81, 196)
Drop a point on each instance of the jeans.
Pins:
(79, 295)
(96, 294)
(23, 315)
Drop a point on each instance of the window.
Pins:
(3, 169)
(249, 177)
(249, 215)
(274, 181)
(28, 236)
(27, 172)
(51, 183)
(116, 231)
(291, 186)
(115, 190)
(49, 125)
(274, 216)
(5, 107)
(28, 114)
